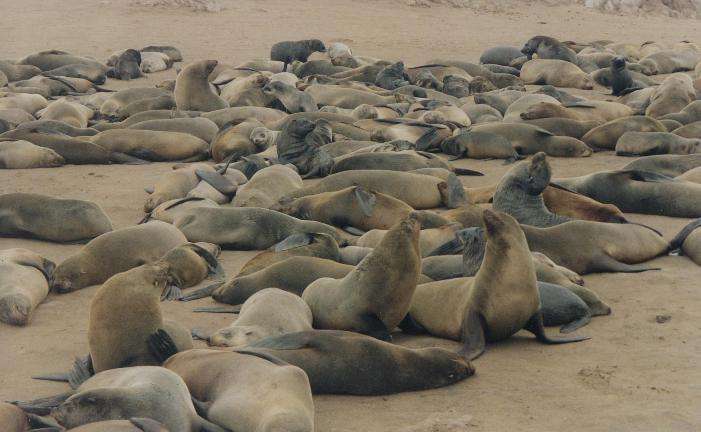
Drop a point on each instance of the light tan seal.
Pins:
(152, 145)
(23, 154)
(606, 135)
(193, 91)
(24, 283)
(267, 187)
(555, 72)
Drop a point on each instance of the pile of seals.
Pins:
(389, 238)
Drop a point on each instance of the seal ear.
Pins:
(473, 328)
(366, 200)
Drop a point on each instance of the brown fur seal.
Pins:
(406, 160)
(688, 241)
(289, 51)
(267, 186)
(502, 299)
(639, 192)
(668, 165)
(234, 141)
(193, 91)
(53, 219)
(127, 66)
(246, 228)
(672, 96)
(480, 145)
(528, 139)
(174, 185)
(558, 73)
(71, 113)
(600, 111)
(382, 283)
(291, 98)
(51, 59)
(200, 127)
(269, 312)
(267, 116)
(24, 283)
(153, 145)
(426, 191)
(546, 47)
(343, 97)
(430, 239)
(564, 126)
(115, 252)
(74, 150)
(377, 367)
(246, 391)
(122, 98)
(23, 155)
(691, 130)
(606, 135)
(652, 143)
(13, 418)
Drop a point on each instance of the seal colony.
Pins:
(392, 238)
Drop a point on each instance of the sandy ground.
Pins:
(633, 375)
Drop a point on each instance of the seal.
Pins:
(564, 126)
(52, 59)
(520, 190)
(378, 367)
(430, 240)
(267, 187)
(561, 307)
(53, 219)
(175, 184)
(638, 191)
(120, 99)
(127, 66)
(558, 73)
(269, 312)
(299, 144)
(134, 424)
(673, 95)
(606, 136)
(546, 47)
(152, 145)
(426, 192)
(521, 105)
(500, 55)
(292, 99)
(246, 390)
(347, 97)
(405, 160)
(392, 77)
(501, 300)
(595, 110)
(71, 113)
(18, 72)
(23, 155)
(688, 241)
(289, 51)
(234, 141)
(653, 143)
(691, 130)
(690, 114)
(528, 139)
(382, 286)
(115, 252)
(24, 283)
(136, 392)
(246, 228)
(200, 127)
(193, 91)
(666, 165)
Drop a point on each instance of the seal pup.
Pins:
(377, 367)
(652, 143)
(53, 219)
(115, 252)
(245, 228)
(688, 241)
(501, 300)
(638, 191)
(24, 155)
(24, 283)
(127, 66)
(382, 286)
(520, 190)
(193, 91)
(246, 390)
(269, 312)
(289, 51)
(426, 191)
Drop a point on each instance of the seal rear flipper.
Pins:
(452, 192)
(535, 326)
(215, 268)
(42, 406)
(576, 324)
(410, 326)
(679, 239)
(474, 342)
(161, 346)
(366, 200)
(171, 292)
(293, 241)
(202, 292)
(199, 335)
(125, 159)
(82, 371)
(218, 309)
(147, 424)
(217, 181)
(605, 263)
(43, 423)
(373, 326)
(467, 172)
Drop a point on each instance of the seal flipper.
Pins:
(42, 406)
(366, 200)
(161, 346)
(202, 292)
(147, 424)
(535, 326)
(474, 341)
(82, 370)
(353, 230)
(125, 159)
(293, 241)
(217, 181)
(605, 263)
(201, 407)
(426, 140)
(375, 327)
(215, 268)
(411, 327)
(198, 335)
(679, 239)
(576, 324)
(218, 309)
(40, 423)
(467, 172)
(452, 192)
(171, 292)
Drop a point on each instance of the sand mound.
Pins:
(194, 5)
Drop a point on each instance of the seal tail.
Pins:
(535, 326)
(679, 239)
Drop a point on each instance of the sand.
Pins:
(633, 375)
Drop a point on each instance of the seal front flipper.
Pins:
(473, 338)
(42, 406)
(374, 327)
(82, 370)
(161, 346)
(125, 159)
(535, 326)
(202, 292)
(452, 192)
(576, 324)
(171, 292)
(467, 172)
(410, 326)
(219, 309)
(217, 181)
(366, 200)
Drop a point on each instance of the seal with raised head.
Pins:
(115, 252)
(381, 285)
(52, 219)
(193, 91)
(24, 283)
(501, 300)
(292, 99)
